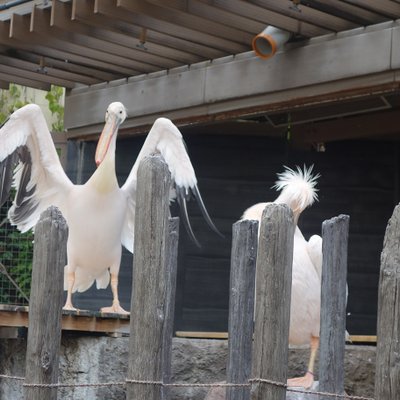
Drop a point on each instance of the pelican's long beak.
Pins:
(110, 129)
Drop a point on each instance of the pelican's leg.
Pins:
(70, 278)
(307, 380)
(116, 307)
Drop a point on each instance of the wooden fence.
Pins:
(257, 358)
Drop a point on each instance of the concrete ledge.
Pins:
(104, 359)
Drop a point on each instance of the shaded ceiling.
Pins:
(85, 42)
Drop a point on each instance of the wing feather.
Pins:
(39, 178)
(165, 138)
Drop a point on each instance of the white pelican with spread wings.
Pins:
(100, 214)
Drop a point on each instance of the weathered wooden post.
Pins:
(171, 274)
(387, 373)
(45, 306)
(241, 307)
(149, 345)
(335, 233)
(273, 294)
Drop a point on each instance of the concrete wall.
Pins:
(104, 359)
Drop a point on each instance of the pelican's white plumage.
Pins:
(100, 214)
(298, 191)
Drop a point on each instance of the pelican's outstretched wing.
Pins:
(166, 139)
(39, 178)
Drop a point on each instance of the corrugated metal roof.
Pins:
(84, 42)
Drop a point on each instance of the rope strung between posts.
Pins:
(181, 385)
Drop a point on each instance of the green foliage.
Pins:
(54, 98)
(10, 100)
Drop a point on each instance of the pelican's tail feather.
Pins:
(103, 280)
(298, 188)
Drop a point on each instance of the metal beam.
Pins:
(236, 84)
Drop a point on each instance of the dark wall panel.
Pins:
(359, 178)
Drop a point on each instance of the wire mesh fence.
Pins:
(16, 252)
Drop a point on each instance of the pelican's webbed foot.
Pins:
(115, 308)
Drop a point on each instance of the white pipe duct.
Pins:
(269, 41)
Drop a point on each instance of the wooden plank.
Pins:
(148, 344)
(183, 16)
(39, 47)
(32, 74)
(61, 13)
(11, 78)
(44, 331)
(130, 51)
(273, 293)
(206, 9)
(307, 14)
(362, 338)
(65, 65)
(139, 60)
(387, 7)
(387, 374)
(95, 324)
(269, 17)
(318, 22)
(20, 29)
(367, 17)
(152, 17)
(241, 307)
(54, 76)
(335, 234)
(106, 16)
(202, 335)
(224, 335)
(119, 324)
(80, 320)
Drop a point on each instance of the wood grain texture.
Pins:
(273, 294)
(241, 306)
(387, 375)
(149, 282)
(170, 278)
(44, 332)
(335, 233)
